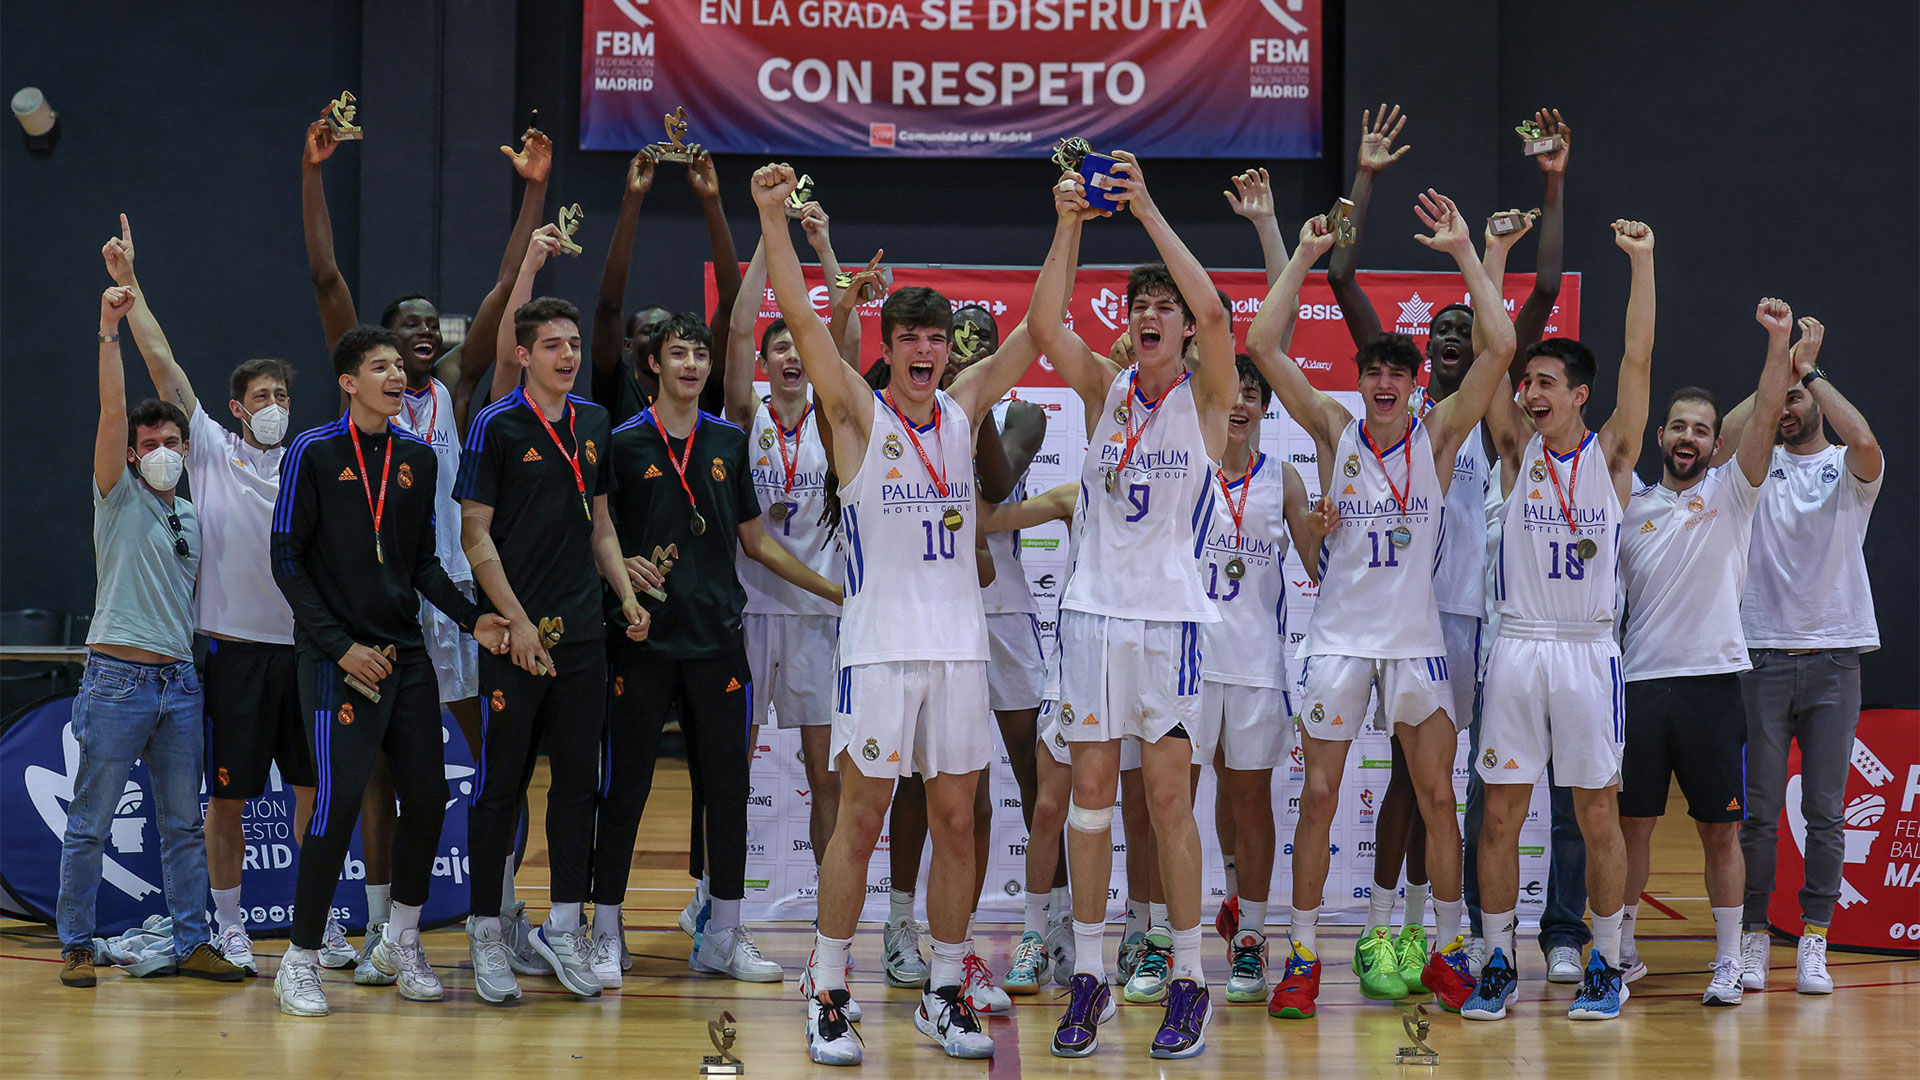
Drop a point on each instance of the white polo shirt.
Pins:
(1807, 584)
(1683, 562)
(234, 487)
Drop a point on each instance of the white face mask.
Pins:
(269, 425)
(161, 468)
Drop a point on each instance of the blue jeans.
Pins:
(1563, 921)
(124, 712)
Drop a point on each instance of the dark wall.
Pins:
(1749, 143)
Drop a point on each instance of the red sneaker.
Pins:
(1294, 998)
(1227, 921)
(1449, 974)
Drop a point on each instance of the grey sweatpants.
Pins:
(1813, 698)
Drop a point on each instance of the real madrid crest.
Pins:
(871, 751)
(406, 475)
(719, 469)
(766, 438)
(1066, 713)
(1352, 466)
(1490, 759)
(1120, 414)
(1539, 470)
(593, 453)
(1318, 715)
(891, 447)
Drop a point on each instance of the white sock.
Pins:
(1186, 955)
(1606, 936)
(1306, 929)
(1726, 934)
(899, 906)
(724, 915)
(1059, 905)
(830, 962)
(402, 918)
(1417, 897)
(949, 962)
(1233, 878)
(1447, 916)
(1499, 926)
(297, 955)
(226, 908)
(1036, 921)
(1086, 949)
(1379, 908)
(379, 903)
(506, 887)
(564, 918)
(1630, 918)
(606, 920)
(1156, 915)
(1136, 918)
(1253, 915)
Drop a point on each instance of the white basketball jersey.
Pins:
(1376, 596)
(429, 415)
(1243, 574)
(913, 592)
(1541, 576)
(1459, 581)
(1140, 552)
(798, 528)
(1008, 594)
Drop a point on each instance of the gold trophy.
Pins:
(1340, 222)
(1535, 140)
(801, 195)
(366, 691)
(676, 148)
(663, 560)
(1510, 222)
(340, 114)
(722, 1032)
(569, 223)
(967, 343)
(872, 289)
(1416, 1022)
(551, 630)
(1074, 154)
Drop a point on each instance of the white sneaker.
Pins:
(517, 932)
(234, 944)
(1476, 955)
(1060, 950)
(604, 958)
(850, 1006)
(731, 952)
(1725, 987)
(906, 968)
(1754, 947)
(335, 950)
(695, 913)
(1632, 968)
(297, 985)
(984, 994)
(1813, 977)
(945, 1017)
(1563, 964)
(493, 979)
(365, 973)
(406, 961)
(831, 1039)
(567, 953)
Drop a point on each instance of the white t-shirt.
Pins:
(1807, 580)
(234, 487)
(1683, 561)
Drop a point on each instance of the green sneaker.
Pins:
(1029, 965)
(1410, 950)
(1379, 970)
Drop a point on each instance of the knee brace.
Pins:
(1085, 820)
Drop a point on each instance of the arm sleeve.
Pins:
(295, 520)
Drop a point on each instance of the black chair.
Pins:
(24, 682)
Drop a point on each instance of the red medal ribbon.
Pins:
(680, 463)
(573, 459)
(939, 476)
(1153, 410)
(1246, 484)
(1406, 444)
(1573, 477)
(376, 510)
(793, 463)
(413, 418)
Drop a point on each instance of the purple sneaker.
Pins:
(1089, 1004)
(1184, 1032)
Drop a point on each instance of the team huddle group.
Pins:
(563, 574)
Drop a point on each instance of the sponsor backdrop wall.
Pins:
(781, 873)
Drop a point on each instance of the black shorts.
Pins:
(253, 719)
(1693, 727)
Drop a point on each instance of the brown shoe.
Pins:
(204, 962)
(78, 968)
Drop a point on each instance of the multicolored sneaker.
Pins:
(831, 1038)
(945, 1017)
(1148, 983)
(1410, 956)
(1247, 953)
(1495, 990)
(1089, 1004)
(1184, 1031)
(1226, 921)
(1378, 967)
(1029, 968)
(1601, 992)
(1132, 948)
(1299, 986)
(982, 993)
(1449, 975)
(849, 1006)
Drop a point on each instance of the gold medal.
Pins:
(1236, 568)
(698, 524)
(778, 512)
(1587, 548)
(378, 555)
(953, 519)
(1113, 478)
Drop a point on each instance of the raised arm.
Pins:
(1755, 450)
(843, 305)
(110, 438)
(1318, 412)
(609, 307)
(1078, 365)
(738, 376)
(1864, 459)
(1252, 198)
(1531, 323)
(1377, 132)
(1626, 429)
(845, 327)
(330, 290)
(839, 390)
(1453, 418)
(705, 181)
(533, 162)
(544, 245)
(167, 374)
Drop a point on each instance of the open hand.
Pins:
(1252, 197)
(1377, 132)
(1806, 351)
(534, 158)
(1438, 213)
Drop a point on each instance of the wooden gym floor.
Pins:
(176, 1027)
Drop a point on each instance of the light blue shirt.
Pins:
(144, 595)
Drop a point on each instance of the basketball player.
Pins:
(1683, 561)
(1553, 686)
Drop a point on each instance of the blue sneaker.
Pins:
(1494, 992)
(1089, 1004)
(1184, 1032)
(1601, 992)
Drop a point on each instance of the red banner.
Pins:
(1405, 300)
(955, 78)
